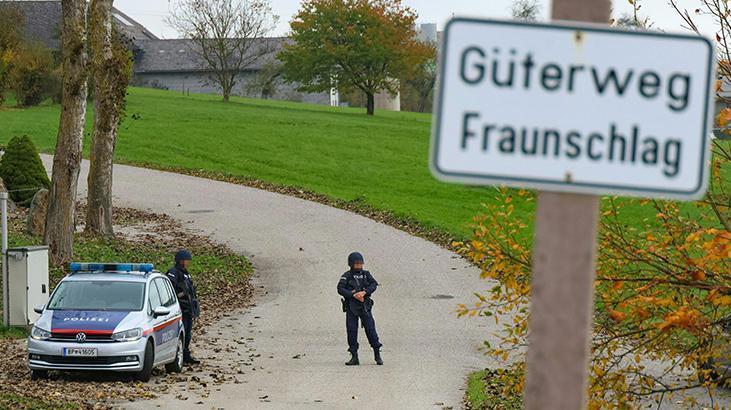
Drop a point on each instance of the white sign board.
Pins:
(574, 108)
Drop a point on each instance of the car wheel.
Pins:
(176, 366)
(146, 372)
(38, 374)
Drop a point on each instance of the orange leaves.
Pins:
(698, 275)
(714, 246)
(617, 316)
(685, 318)
(642, 313)
(661, 283)
(723, 117)
(719, 298)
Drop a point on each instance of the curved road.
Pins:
(299, 250)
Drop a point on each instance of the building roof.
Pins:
(42, 20)
(179, 55)
(152, 55)
(131, 28)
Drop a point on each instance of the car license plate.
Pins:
(80, 352)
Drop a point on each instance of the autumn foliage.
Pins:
(362, 45)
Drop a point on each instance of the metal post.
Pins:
(564, 263)
(6, 284)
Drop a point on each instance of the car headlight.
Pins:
(128, 335)
(39, 334)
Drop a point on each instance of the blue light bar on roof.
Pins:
(111, 267)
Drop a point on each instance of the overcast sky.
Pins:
(151, 13)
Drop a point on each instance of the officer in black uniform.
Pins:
(183, 284)
(356, 287)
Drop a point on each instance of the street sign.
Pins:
(574, 108)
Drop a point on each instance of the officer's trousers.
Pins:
(351, 325)
(188, 325)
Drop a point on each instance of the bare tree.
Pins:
(110, 69)
(227, 35)
(526, 10)
(67, 159)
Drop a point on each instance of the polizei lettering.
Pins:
(86, 319)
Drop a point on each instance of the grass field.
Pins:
(338, 152)
(12, 332)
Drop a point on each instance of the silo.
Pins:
(428, 33)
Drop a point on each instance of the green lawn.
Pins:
(337, 152)
(12, 332)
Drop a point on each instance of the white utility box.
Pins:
(28, 280)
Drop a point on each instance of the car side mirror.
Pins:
(39, 309)
(160, 311)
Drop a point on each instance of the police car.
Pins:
(119, 317)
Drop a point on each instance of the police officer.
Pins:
(183, 284)
(356, 287)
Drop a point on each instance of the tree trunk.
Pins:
(106, 119)
(371, 105)
(227, 86)
(67, 159)
(422, 102)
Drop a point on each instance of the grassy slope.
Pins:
(333, 151)
(337, 152)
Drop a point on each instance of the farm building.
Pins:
(170, 64)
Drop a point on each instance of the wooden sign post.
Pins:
(564, 264)
(561, 301)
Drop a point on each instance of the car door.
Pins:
(161, 353)
(167, 330)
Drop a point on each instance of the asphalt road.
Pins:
(299, 250)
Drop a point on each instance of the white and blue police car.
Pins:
(119, 317)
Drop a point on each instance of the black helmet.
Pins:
(182, 255)
(353, 258)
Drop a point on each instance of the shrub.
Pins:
(3, 79)
(22, 170)
(54, 89)
(32, 74)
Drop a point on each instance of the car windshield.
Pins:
(98, 295)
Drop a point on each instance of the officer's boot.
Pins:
(377, 354)
(189, 359)
(353, 360)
